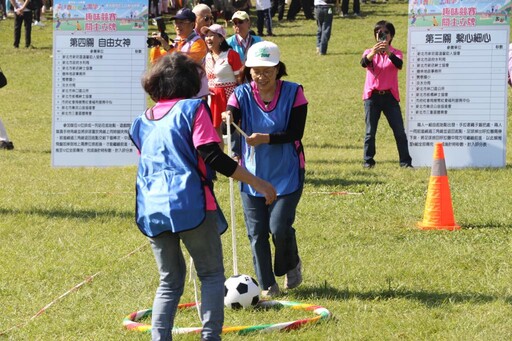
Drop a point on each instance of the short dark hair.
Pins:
(172, 76)
(384, 24)
(281, 71)
(224, 46)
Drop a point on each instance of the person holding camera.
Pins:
(187, 40)
(382, 62)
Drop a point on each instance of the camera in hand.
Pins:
(152, 41)
(382, 36)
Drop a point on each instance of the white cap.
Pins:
(264, 53)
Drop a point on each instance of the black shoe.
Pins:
(407, 165)
(368, 165)
(6, 145)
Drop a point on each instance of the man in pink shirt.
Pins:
(510, 64)
(382, 62)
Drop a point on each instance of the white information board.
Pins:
(99, 55)
(457, 83)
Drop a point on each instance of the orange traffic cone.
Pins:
(438, 213)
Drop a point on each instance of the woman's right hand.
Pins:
(225, 116)
(266, 188)
(380, 47)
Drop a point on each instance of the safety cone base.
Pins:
(431, 227)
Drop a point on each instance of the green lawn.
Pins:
(364, 259)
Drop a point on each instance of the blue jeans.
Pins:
(204, 245)
(323, 15)
(276, 220)
(389, 105)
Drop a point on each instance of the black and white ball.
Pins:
(241, 291)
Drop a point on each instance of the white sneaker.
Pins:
(38, 23)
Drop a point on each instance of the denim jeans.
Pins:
(276, 220)
(204, 245)
(389, 105)
(323, 15)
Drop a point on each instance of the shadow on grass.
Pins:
(295, 35)
(429, 299)
(339, 182)
(328, 145)
(68, 213)
(485, 225)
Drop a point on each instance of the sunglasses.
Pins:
(208, 18)
(238, 22)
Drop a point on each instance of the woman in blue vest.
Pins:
(272, 113)
(175, 200)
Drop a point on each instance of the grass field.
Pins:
(364, 259)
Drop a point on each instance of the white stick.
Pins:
(251, 150)
(239, 130)
(232, 198)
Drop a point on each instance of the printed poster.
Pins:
(457, 81)
(99, 56)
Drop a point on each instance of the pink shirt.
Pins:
(510, 61)
(203, 132)
(382, 74)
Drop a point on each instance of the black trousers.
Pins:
(24, 19)
(278, 7)
(37, 5)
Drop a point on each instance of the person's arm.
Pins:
(19, 10)
(397, 62)
(198, 51)
(220, 162)
(295, 129)
(365, 62)
(236, 65)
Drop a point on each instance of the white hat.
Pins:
(215, 28)
(264, 53)
(240, 15)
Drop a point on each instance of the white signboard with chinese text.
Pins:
(457, 82)
(99, 56)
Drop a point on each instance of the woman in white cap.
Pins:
(272, 113)
(222, 65)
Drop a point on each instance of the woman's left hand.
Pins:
(256, 139)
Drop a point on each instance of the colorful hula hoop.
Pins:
(130, 321)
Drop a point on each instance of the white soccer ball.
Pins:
(241, 291)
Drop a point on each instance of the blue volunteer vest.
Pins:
(277, 163)
(170, 188)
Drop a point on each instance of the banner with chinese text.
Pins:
(457, 81)
(99, 55)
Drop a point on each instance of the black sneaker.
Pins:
(6, 145)
(368, 165)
